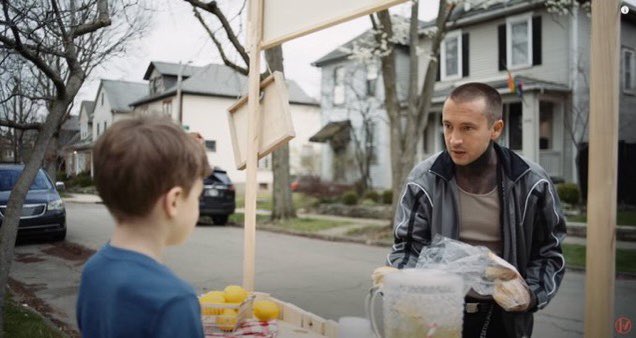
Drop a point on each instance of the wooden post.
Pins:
(255, 30)
(603, 158)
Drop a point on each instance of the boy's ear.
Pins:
(171, 200)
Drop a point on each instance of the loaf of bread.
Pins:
(512, 295)
(499, 269)
(378, 274)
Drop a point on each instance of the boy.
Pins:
(149, 174)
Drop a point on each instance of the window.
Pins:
(451, 56)
(546, 125)
(372, 77)
(629, 71)
(210, 145)
(105, 126)
(102, 98)
(519, 42)
(166, 107)
(371, 148)
(265, 163)
(338, 87)
(97, 129)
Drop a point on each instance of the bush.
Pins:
(372, 195)
(387, 196)
(350, 198)
(569, 193)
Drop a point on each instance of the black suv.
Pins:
(218, 197)
(43, 212)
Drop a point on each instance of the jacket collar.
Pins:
(513, 165)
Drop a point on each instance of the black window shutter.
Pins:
(439, 67)
(465, 55)
(536, 40)
(502, 47)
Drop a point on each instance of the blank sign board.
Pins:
(284, 20)
(275, 127)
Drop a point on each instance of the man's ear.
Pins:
(171, 200)
(497, 129)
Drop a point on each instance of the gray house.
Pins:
(546, 55)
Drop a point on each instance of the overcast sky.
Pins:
(176, 36)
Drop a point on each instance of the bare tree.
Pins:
(363, 110)
(407, 124)
(18, 112)
(63, 41)
(282, 204)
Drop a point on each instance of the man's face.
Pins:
(467, 132)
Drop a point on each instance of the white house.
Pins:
(547, 53)
(205, 95)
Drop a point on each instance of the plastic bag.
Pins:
(482, 270)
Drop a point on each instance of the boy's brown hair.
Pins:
(139, 159)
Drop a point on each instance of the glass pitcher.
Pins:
(419, 303)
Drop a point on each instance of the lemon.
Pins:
(265, 310)
(235, 294)
(212, 297)
(227, 320)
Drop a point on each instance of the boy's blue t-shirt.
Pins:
(127, 294)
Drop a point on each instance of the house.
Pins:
(79, 155)
(200, 102)
(112, 102)
(545, 55)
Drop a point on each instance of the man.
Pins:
(484, 194)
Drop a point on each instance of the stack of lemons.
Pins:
(226, 318)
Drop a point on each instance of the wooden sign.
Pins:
(276, 126)
(284, 20)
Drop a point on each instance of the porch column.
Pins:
(530, 124)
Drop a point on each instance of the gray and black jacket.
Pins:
(533, 226)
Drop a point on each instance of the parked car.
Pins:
(314, 186)
(43, 213)
(218, 199)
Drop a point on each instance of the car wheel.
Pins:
(220, 219)
(59, 236)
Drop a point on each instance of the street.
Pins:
(329, 279)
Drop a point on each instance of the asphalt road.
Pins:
(327, 278)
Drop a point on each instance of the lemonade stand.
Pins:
(259, 123)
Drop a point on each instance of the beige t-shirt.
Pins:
(479, 222)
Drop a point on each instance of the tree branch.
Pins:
(213, 8)
(103, 20)
(219, 46)
(21, 126)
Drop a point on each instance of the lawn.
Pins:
(20, 322)
(298, 224)
(622, 218)
(575, 257)
(264, 201)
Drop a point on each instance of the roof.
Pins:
(170, 68)
(89, 106)
(342, 51)
(528, 84)
(221, 80)
(330, 130)
(122, 93)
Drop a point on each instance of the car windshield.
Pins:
(218, 177)
(8, 177)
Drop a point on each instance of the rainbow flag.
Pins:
(515, 87)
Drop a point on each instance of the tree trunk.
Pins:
(9, 229)
(282, 204)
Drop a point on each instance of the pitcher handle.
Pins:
(370, 309)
